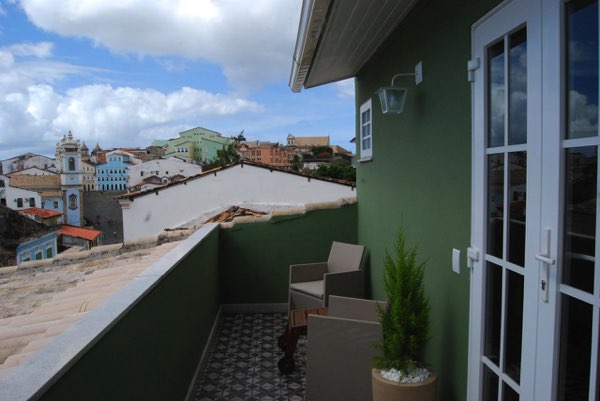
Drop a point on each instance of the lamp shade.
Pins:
(392, 99)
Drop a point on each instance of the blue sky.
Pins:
(125, 72)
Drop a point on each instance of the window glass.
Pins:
(366, 145)
(582, 69)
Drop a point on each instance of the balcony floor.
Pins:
(242, 362)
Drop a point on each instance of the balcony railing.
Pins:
(152, 339)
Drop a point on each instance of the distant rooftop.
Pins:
(43, 213)
(79, 232)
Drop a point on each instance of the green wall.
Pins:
(153, 351)
(255, 257)
(420, 174)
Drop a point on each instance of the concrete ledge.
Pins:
(41, 370)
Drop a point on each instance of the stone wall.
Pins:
(101, 210)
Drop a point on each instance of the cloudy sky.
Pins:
(125, 72)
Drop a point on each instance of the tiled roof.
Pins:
(43, 213)
(35, 181)
(311, 140)
(85, 233)
(42, 299)
(50, 194)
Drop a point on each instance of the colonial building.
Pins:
(68, 161)
(197, 144)
(26, 161)
(88, 168)
(161, 171)
(269, 153)
(112, 175)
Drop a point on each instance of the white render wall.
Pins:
(12, 193)
(39, 161)
(165, 167)
(247, 186)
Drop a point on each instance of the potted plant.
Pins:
(399, 372)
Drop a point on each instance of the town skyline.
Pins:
(81, 69)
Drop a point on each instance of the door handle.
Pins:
(547, 261)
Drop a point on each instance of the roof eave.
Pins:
(328, 51)
(312, 21)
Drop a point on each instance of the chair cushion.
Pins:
(313, 288)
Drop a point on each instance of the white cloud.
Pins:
(113, 116)
(39, 50)
(251, 41)
(583, 116)
(345, 89)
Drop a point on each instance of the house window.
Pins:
(48, 253)
(38, 256)
(366, 145)
(71, 164)
(31, 202)
(141, 173)
(1, 183)
(55, 204)
(3, 201)
(19, 202)
(72, 201)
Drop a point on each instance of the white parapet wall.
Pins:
(175, 205)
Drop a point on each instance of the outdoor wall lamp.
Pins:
(392, 98)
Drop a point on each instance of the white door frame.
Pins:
(501, 20)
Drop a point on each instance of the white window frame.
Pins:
(366, 154)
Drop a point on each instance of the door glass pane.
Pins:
(495, 204)
(490, 385)
(517, 197)
(575, 348)
(518, 88)
(514, 325)
(493, 311)
(496, 94)
(580, 217)
(509, 394)
(582, 68)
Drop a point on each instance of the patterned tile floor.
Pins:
(242, 362)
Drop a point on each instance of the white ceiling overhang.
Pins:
(337, 37)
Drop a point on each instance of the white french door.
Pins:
(535, 287)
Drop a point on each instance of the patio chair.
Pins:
(311, 284)
(339, 353)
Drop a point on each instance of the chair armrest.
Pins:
(347, 284)
(307, 272)
(339, 358)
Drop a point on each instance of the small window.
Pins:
(72, 201)
(38, 256)
(1, 183)
(56, 204)
(3, 201)
(71, 164)
(49, 253)
(31, 202)
(366, 127)
(141, 173)
(19, 202)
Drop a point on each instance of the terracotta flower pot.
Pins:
(386, 390)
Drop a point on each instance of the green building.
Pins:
(492, 159)
(197, 144)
